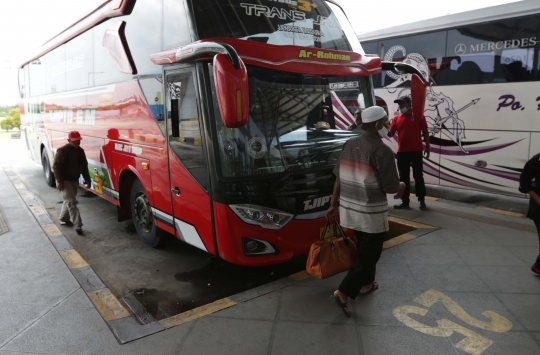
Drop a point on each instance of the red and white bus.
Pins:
(216, 121)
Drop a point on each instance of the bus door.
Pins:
(187, 166)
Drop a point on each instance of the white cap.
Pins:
(372, 114)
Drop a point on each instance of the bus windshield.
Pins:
(296, 122)
(313, 23)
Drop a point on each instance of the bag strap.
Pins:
(321, 237)
(338, 226)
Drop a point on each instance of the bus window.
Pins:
(27, 80)
(370, 47)
(79, 62)
(184, 133)
(296, 122)
(56, 70)
(38, 77)
(143, 29)
(151, 88)
(311, 24)
(176, 31)
(21, 82)
(412, 50)
(105, 69)
(500, 51)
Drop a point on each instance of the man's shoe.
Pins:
(423, 206)
(402, 206)
(535, 270)
(79, 231)
(67, 224)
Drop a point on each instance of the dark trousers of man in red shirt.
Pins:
(404, 162)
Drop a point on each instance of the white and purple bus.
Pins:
(483, 102)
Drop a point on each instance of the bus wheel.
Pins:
(143, 219)
(47, 171)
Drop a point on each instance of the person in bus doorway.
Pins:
(410, 131)
(531, 172)
(365, 173)
(357, 125)
(69, 163)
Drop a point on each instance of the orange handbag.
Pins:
(332, 255)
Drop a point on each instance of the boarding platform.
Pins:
(454, 280)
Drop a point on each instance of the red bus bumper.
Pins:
(292, 240)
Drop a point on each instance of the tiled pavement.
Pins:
(465, 268)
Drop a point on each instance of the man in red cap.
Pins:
(69, 163)
(410, 130)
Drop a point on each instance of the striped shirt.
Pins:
(365, 168)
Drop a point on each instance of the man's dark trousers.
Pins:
(404, 161)
(369, 247)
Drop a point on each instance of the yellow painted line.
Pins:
(27, 196)
(409, 223)
(398, 240)
(51, 229)
(473, 343)
(197, 313)
(300, 276)
(73, 259)
(20, 185)
(37, 210)
(427, 197)
(107, 304)
(497, 323)
(508, 213)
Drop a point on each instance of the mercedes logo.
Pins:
(461, 49)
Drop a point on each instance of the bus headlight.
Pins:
(265, 217)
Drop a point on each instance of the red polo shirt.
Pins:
(409, 131)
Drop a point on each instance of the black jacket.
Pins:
(69, 163)
(531, 172)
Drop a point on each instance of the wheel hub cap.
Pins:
(143, 213)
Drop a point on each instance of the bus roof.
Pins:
(515, 9)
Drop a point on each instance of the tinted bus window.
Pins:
(185, 137)
(501, 51)
(424, 51)
(105, 69)
(152, 89)
(38, 76)
(22, 85)
(310, 23)
(176, 30)
(56, 70)
(79, 62)
(370, 47)
(143, 34)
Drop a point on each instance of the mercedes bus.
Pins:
(483, 99)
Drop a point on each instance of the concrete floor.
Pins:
(463, 289)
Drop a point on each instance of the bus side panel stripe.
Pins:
(189, 234)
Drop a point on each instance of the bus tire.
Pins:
(47, 171)
(143, 219)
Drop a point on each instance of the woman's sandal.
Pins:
(342, 307)
(374, 286)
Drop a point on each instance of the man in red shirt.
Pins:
(410, 131)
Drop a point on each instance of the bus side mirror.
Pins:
(418, 96)
(232, 91)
